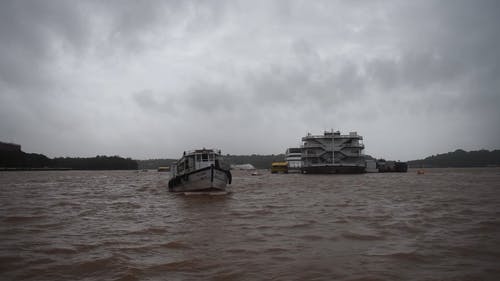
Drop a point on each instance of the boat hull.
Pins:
(204, 180)
(333, 170)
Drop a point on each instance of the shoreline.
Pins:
(57, 169)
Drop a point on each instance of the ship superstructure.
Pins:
(333, 153)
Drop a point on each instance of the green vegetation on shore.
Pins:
(12, 158)
(20, 160)
(459, 158)
(96, 163)
(153, 164)
(258, 161)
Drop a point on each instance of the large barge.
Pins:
(333, 153)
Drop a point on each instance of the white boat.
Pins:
(293, 156)
(200, 170)
(333, 153)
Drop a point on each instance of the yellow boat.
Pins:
(163, 169)
(279, 167)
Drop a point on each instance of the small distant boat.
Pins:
(279, 167)
(201, 170)
(163, 169)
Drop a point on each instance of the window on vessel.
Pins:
(204, 157)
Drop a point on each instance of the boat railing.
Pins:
(313, 145)
(332, 136)
(358, 145)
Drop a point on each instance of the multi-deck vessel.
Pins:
(293, 157)
(333, 153)
(200, 170)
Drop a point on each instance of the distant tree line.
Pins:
(22, 160)
(19, 159)
(460, 158)
(258, 161)
(154, 163)
(96, 163)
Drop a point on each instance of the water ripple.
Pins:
(125, 225)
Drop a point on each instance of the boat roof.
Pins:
(293, 150)
(197, 151)
(203, 150)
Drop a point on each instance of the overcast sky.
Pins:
(149, 79)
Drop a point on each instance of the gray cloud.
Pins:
(33, 34)
(151, 79)
(149, 102)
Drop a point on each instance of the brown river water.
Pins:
(125, 225)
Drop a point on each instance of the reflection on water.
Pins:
(125, 225)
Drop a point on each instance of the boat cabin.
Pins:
(195, 160)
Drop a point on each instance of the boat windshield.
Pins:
(205, 157)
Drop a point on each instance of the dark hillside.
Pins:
(13, 158)
(154, 163)
(460, 158)
(19, 159)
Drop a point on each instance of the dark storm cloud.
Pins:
(124, 69)
(450, 65)
(451, 41)
(211, 98)
(31, 33)
(306, 77)
(204, 98)
(325, 84)
(131, 23)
